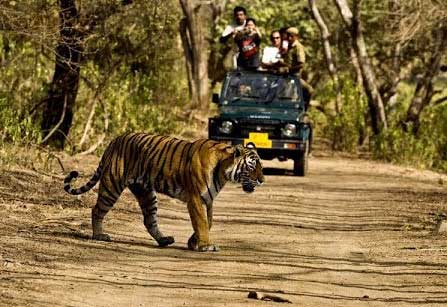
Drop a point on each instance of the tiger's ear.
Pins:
(250, 145)
(235, 151)
(238, 150)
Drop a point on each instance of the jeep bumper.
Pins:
(280, 148)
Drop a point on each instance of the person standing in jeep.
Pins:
(248, 42)
(295, 57)
(294, 61)
(240, 16)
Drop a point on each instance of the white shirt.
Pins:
(233, 27)
(270, 55)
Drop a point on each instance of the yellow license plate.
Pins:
(261, 140)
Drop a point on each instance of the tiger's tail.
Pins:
(87, 187)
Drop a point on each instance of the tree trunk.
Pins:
(388, 90)
(328, 53)
(218, 52)
(375, 103)
(64, 86)
(184, 34)
(58, 112)
(358, 72)
(424, 88)
(195, 29)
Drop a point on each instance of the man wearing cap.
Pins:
(294, 61)
(295, 58)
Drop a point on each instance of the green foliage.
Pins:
(133, 67)
(132, 72)
(349, 129)
(346, 129)
(24, 74)
(133, 108)
(17, 127)
(427, 149)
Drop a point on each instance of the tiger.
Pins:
(192, 172)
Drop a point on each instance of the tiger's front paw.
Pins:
(209, 248)
(192, 242)
(101, 237)
(165, 241)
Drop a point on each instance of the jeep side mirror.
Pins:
(216, 98)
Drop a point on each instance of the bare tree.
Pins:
(325, 35)
(424, 91)
(218, 51)
(195, 30)
(391, 74)
(424, 22)
(353, 24)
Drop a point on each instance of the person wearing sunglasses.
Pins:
(271, 54)
(275, 39)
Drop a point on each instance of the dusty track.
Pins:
(352, 233)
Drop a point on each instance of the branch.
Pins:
(95, 99)
(103, 135)
(101, 13)
(440, 100)
(345, 12)
(58, 124)
(50, 154)
(88, 125)
(37, 105)
(186, 39)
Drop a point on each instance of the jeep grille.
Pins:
(273, 131)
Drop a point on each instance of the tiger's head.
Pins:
(247, 168)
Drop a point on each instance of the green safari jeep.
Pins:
(267, 110)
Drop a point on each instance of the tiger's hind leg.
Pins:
(105, 202)
(147, 198)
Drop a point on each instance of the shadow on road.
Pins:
(277, 171)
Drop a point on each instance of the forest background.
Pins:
(74, 74)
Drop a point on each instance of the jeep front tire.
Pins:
(301, 161)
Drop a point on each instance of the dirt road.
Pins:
(352, 233)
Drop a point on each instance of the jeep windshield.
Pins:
(259, 87)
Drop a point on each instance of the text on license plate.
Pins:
(261, 140)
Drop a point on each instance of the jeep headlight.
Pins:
(289, 130)
(226, 127)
